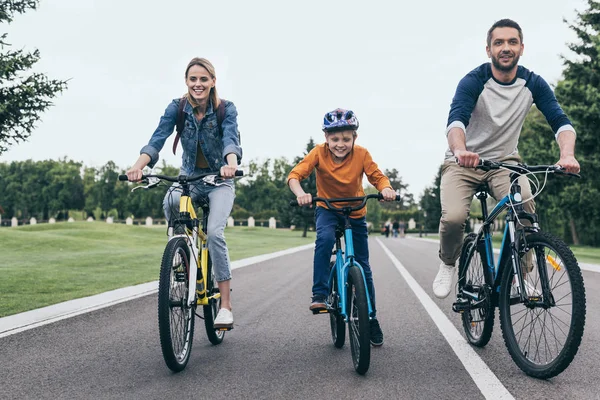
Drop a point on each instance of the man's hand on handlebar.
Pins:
(466, 158)
(570, 164)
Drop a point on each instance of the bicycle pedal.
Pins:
(460, 306)
(320, 311)
(223, 328)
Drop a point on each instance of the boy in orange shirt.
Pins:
(340, 165)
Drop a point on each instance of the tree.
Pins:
(430, 204)
(569, 208)
(23, 95)
(300, 216)
(400, 188)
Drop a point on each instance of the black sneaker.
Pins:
(318, 302)
(376, 334)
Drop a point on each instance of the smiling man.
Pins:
(485, 121)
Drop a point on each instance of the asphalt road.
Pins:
(279, 350)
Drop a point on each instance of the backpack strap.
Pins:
(180, 120)
(221, 114)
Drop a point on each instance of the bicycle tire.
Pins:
(175, 317)
(336, 321)
(521, 332)
(478, 323)
(215, 336)
(358, 321)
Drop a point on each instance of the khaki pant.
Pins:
(457, 188)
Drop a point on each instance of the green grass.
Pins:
(584, 254)
(46, 264)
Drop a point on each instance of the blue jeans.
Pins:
(220, 198)
(326, 221)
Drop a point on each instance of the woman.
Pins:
(206, 147)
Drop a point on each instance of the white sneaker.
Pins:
(442, 284)
(530, 290)
(224, 319)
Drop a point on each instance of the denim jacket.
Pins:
(206, 132)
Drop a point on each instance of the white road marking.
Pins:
(487, 382)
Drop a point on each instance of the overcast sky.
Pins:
(283, 63)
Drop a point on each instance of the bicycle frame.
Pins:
(192, 233)
(512, 242)
(509, 236)
(341, 267)
(195, 234)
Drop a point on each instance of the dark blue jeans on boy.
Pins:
(326, 221)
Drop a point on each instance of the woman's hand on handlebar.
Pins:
(388, 194)
(304, 199)
(466, 158)
(228, 171)
(134, 174)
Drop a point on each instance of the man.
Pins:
(485, 121)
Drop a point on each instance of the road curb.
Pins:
(32, 319)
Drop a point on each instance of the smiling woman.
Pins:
(210, 141)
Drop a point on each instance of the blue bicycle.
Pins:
(536, 283)
(348, 301)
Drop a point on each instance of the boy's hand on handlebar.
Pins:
(466, 158)
(388, 194)
(228, 171)
(304, 199)
(134, 174)
(570, 164)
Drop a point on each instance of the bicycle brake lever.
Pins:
(151, 184)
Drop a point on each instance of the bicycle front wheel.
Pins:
(543, 334)
(358, 321)
(215, 336)
(338, 326)
(478, 319)
(175, 316)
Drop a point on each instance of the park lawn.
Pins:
(584, 254)
(47, 264)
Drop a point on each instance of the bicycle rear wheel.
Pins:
(338, 326)
(478, 319)
(175, 317)
(358, 321)
(543, 334)
(215, 336)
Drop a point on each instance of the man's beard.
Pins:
(505, 68)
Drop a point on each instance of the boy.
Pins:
(340, 166)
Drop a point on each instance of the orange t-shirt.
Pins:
(341, 180)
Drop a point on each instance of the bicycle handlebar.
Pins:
(362, 199)
(487, 165)
(180, 178)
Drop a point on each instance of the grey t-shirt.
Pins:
(492, 113)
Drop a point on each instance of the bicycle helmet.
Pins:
(340, 120)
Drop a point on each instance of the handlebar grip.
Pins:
(239, 173)
(123, 178)
(293, 203)
(398, 197)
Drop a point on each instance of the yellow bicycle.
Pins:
(185, 260)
